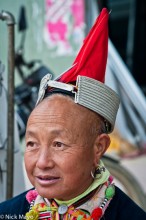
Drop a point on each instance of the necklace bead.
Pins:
(62, 209)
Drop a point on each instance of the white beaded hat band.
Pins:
(89, 93)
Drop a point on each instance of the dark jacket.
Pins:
(120, 208)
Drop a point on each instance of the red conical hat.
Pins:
(85, 79)
(92, 57)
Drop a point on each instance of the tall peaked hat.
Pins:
(85, 79)
(92, 57)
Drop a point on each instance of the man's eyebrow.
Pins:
(53, 131)
(30, 134)
(58, 131)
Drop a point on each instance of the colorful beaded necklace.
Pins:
(93, 207)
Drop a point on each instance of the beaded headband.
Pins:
(89, 93)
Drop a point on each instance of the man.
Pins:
(66, 136)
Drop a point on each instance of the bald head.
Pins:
(57, 108)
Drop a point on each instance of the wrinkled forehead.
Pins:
(59, 103)
(60, 113)
(58, 107)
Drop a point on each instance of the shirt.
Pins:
(120, 208)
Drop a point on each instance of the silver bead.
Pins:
(62, 209)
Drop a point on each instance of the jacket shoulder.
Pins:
(15, 206)
(123, 208)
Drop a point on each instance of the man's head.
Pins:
(64, 136)
(64, 142)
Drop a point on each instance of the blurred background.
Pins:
(127, 30)
(48, 35)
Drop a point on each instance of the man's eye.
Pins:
(58, 144)
(30, 144)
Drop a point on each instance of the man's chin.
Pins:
(47, 192)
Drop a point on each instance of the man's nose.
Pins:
(45, 159)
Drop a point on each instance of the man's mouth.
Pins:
(46, 180)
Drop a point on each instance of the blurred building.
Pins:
(128, 33)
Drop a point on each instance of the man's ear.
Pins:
(101, 144)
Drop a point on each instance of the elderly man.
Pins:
(66, 136)
(76, 143)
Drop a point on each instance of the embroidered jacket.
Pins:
(120, 208)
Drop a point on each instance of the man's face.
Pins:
(59, 152)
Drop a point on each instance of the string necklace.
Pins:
(89, 207)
